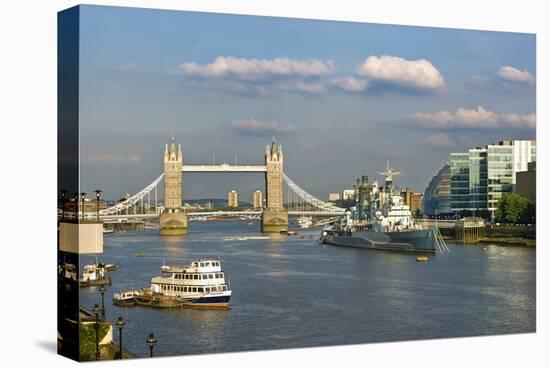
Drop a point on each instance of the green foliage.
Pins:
(514, 208)
(87, 339)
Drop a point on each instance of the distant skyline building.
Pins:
(348, 194)
(437, 196)
(481, 176)
(257, 199)
(333, 196)
(362, 192)
(233, 199)
(412, 199)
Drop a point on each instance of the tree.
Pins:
(514, 208)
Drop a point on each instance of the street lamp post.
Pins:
(102, 291)
(63, 194)
(97, 195)
(76, 203)
(120, 325)
(96, 327)
(151, 342)
(83, 196)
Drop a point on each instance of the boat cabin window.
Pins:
(201, 265)
(195, 276)
(194, 289)
(210, 276)
(201, 289)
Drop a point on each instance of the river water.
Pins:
(290, 291)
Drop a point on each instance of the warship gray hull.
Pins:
(414, 241)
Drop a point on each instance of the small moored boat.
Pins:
(125, 298)
(94, 275)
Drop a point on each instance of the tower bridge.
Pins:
(274, 215)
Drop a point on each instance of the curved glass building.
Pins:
(437, 197)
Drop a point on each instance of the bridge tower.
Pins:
(274, 216)
(173, 220)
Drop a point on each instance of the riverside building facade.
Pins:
(437, 196)
(480, 177)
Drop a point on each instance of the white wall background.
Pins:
(28, 151)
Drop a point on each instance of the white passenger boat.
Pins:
(201, 283)
(305, 222)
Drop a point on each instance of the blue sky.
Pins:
(341, 97)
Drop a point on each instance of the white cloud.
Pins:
(415, 74)
(253, 127)
(256, 69)
(517, 120)
(475, 117)
(439, 139)
(350, 84)
(259, 76)
(472, 118)
(514, 75)
(234, 86)
(441, 119)
(301, 86)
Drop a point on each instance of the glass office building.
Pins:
(437, 196)
(477, 182)
(480, 177)
(460, 182)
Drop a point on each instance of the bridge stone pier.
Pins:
(274, 215)
(173, 220)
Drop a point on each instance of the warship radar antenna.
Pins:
(388, 173)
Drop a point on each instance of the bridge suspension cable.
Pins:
(133, 200)
(297, 197)
(307, 198)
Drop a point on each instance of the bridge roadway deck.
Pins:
(222, 214)
(224, 167)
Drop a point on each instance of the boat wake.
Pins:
(244, 238)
